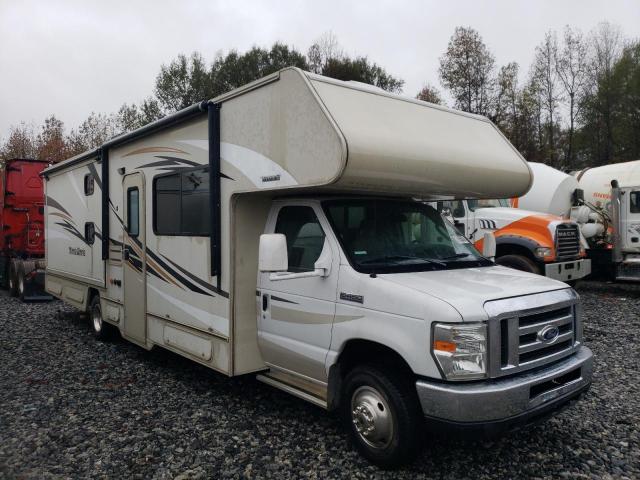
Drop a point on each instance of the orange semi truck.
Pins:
(530, 241)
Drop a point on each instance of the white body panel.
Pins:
(551, 191)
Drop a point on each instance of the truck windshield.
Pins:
(390, 236)
(488, 203)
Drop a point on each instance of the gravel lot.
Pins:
(73, 407)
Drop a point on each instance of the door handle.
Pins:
(265, 302)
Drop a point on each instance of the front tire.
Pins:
(383, 416)
(519, 262)
(21, 281)
(13, 279)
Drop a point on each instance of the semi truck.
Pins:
(605, 202)
(22, 229)
(275, 231)
(532, 240)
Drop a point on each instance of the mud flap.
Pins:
(34, 287)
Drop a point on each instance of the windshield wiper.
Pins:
(402, 257)
(455, 255)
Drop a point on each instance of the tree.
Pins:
(235, 70)
(430, 94)
(571, 67)
(506, 101)
(466, 69)
(92, 132)
(21, 143)
(327, 58)
(50, 143)
(546, 79)
(183, 82)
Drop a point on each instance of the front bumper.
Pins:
(568, 271)
(510, 400)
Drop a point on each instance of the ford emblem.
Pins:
(548, 334)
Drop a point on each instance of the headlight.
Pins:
(543, 252)
(461, 350)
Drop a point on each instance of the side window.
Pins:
(456, 207)
(133, 211)
(88, 184)
(305, 237)
(181, 203)
(90, 232)
(634, 202)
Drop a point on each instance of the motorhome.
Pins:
(275, 231)
(605, 202)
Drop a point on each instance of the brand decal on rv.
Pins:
(80, 252)
(271, 178)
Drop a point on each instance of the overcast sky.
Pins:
(73, 57)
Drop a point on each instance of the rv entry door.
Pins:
(134, 256)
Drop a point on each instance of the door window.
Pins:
(133, 212)
(634, 202)
(305, 237)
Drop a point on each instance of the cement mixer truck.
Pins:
(605, 202)
(530, 241)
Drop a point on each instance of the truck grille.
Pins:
(533, 330)
(567, 240)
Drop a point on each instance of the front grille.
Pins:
(518, 326)
(567, 240)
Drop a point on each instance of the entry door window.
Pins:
(133, 212)
(305, 237)
(634, 202)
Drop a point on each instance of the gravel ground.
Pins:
(71, 407)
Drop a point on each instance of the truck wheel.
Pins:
(101, 330)
(518, 262)
(13, 280)
(20, 280)
(383, 416)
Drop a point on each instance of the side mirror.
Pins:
(489, 246)
(272, 253)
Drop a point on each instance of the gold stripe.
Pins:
(155, 150)
(297, 316)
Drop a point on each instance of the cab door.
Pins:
(135, 261)
(296, 314)
(630, 219)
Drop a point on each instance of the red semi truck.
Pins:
(22, 229)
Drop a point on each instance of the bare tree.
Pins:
(466, 69)
(430, 94)
(606, 46)
(572, 69)
(506, 102)
(546, 78)
(323, 50)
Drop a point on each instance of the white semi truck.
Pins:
(605, 202)
(273, 231)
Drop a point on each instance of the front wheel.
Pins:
(383, 416)
(519, 262)
(13, 279)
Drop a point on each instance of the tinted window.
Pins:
(305, 237)
(88, 184)
(90, 232)
(133, 212)
(181, 203)
(634, 202)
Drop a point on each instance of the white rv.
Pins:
(273, 231)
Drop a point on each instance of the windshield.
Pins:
(488, 203)
(387, 236)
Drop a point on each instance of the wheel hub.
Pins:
(371, 417)
(97, 320)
